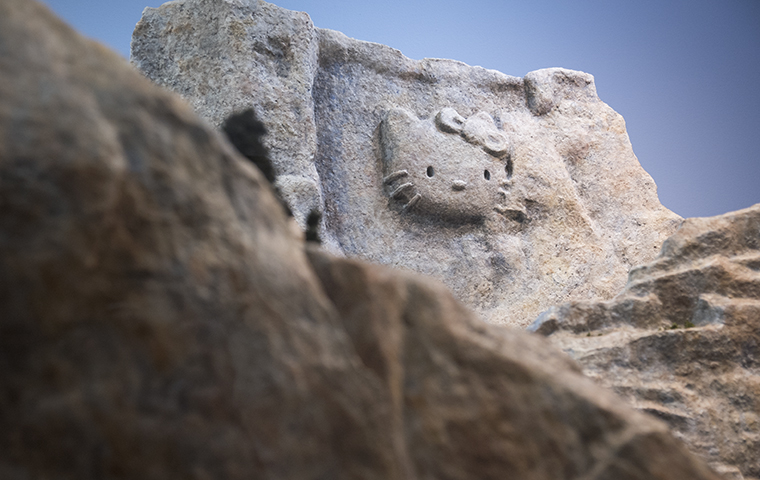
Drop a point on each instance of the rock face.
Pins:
(682, 341)
(275, 77)
(478, 401)
(518, 193)
(158, 319)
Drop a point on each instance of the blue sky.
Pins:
(683, 73)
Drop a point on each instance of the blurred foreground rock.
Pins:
(158, 319)
(682, 341)
(517, 193)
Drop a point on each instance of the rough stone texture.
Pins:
(563, 211)
(249, 54)
(156, 318)
(682, 341)
(481, 401)
(159, 320)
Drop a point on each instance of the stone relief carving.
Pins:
(592, 211)
(451, 168)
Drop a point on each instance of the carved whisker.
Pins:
(395, 176)
(412, 202)
(399, 192)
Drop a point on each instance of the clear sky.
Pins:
(685, 74)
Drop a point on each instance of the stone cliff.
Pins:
(517, 193)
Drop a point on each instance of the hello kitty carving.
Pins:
(452, 168)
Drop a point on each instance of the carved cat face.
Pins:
(451, 168)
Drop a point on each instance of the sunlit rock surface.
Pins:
(682, 341)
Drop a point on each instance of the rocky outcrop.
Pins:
(682, 341)
(158, 319)
(479, 401)
(517, 193)
(266, 60)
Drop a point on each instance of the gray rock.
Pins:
(548, 88)
(259, 56)
(575, 212)
(302, 194)
(682, 341)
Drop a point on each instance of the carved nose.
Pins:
(458, 185)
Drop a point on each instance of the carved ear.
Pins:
(481, 130)
(396, 125)
(399, 118)
(448, 120)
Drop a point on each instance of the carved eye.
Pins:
(487, 175)
(430, 172)
(508, 169)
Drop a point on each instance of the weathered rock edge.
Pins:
(159, 320)
(573, 213)
(479, 401)
(682, 341)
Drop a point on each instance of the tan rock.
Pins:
(575, 213)
(481, 401)
(682, 341)
(158, 320)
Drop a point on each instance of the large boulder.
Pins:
(682, 341)
(159, 319)
(517, 193)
